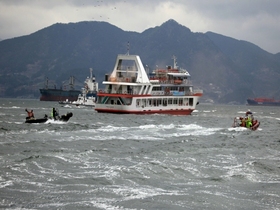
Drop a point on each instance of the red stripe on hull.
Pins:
(171, 112)
(198, 94)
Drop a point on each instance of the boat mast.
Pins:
(90, 73)
(174, 62)
(71, 82)
(127, 53)
(46, 83)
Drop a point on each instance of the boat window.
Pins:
(129, 89)
(180, 101)
(191, 101)
(156, 88)
(164, 102)
(170, 101)
(143, 102)
(155, 102)
(128, 101)
(175, 101)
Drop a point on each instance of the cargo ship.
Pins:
(263, 102)
(62, 94)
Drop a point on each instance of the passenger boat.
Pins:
(263, 102)
(129, 89)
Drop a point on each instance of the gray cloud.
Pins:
(256, 21)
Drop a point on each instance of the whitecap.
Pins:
(5, 184)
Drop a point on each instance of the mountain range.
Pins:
(226, 69)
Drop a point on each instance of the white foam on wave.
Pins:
(270, 117)
(6, 184)
(161, 126)
(237, 129)
(10, 107)
(150, 132)
(147, 126)
(16, 132)
(156, 132)
(51, 121)
(197, 130)
(110, 128)
(208, 111)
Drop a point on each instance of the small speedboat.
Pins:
(249, 123)
(63, 118)
(34, 120)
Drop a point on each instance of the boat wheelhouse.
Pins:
(129, 89)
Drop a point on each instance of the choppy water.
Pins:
(107, 161)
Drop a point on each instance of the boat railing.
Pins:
(195, 91)
(126, 69)
(155, 93)
(173, 81)
(153, 80)
(122, 79)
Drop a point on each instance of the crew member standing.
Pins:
(30, 114)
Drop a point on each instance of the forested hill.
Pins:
(228, 70)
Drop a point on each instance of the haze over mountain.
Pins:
(228, 70)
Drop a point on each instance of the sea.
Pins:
(131, 162)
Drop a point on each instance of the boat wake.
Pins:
(52, 121)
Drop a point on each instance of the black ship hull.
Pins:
(59, 95)
(263, 102)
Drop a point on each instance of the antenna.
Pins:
(174, 62)
(71, 82)
(127, 53)
(47, 83)
(90, 73)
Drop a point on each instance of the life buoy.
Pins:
(124, 92)
(100, 91)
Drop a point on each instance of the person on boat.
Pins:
(248, 122)
(54, 113)
(30, 114)
(242, 121)
(249, 114)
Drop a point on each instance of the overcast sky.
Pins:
(256, 21)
